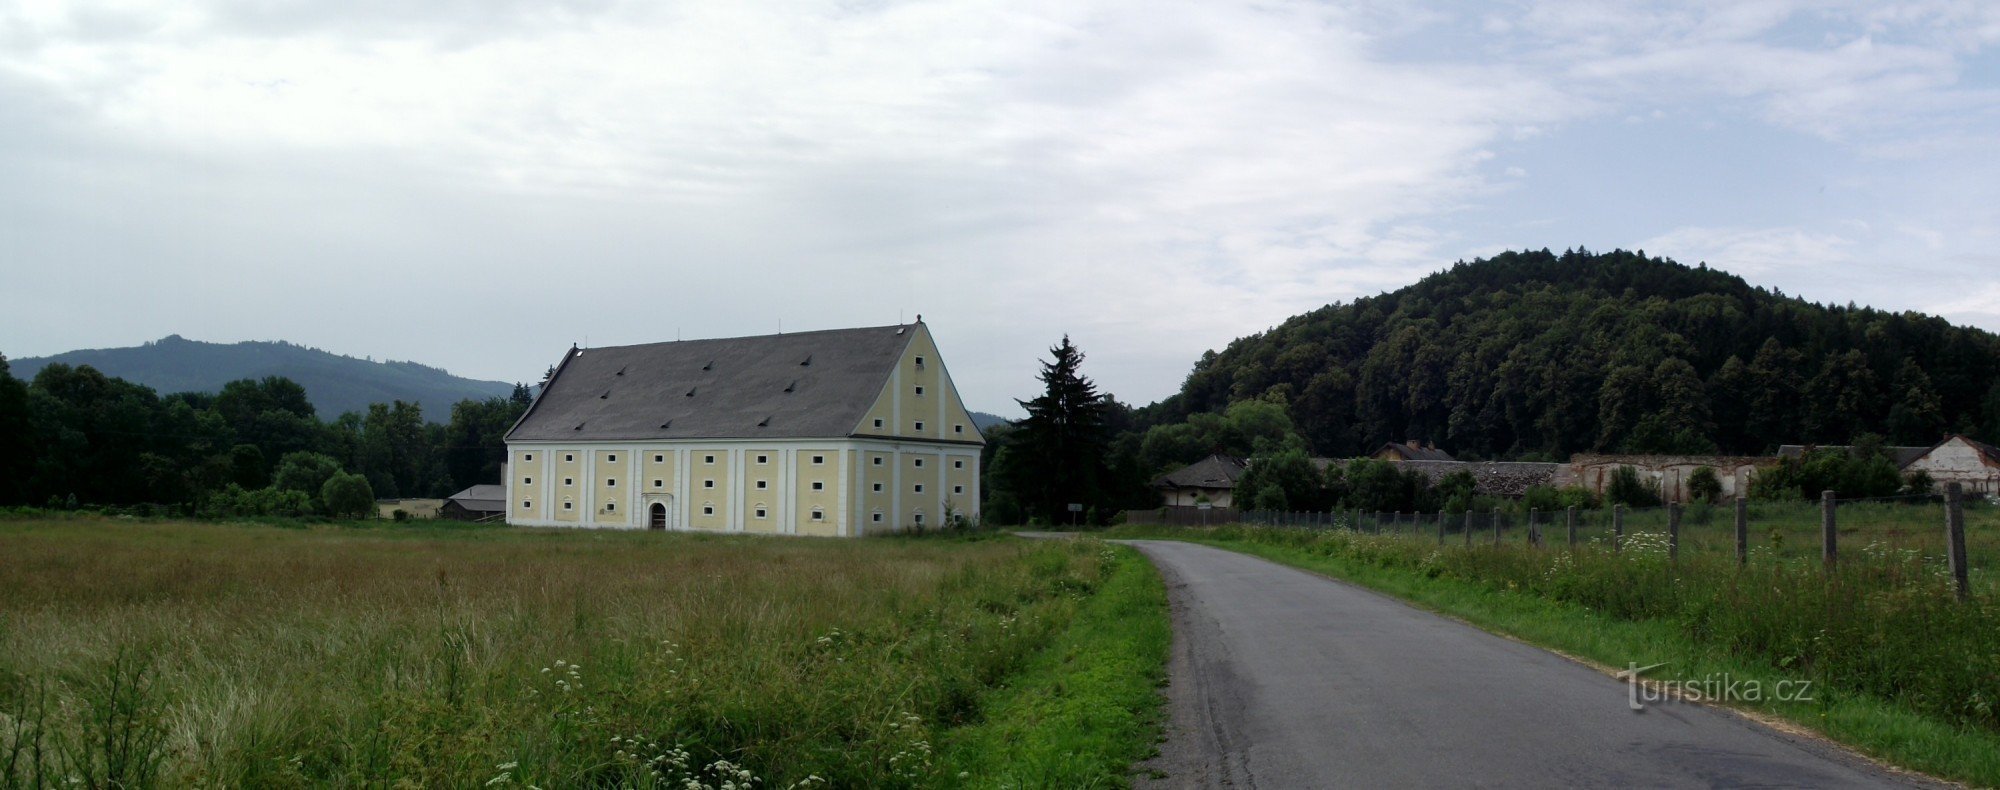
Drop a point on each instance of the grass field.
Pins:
(1900, 668)
(170, 654)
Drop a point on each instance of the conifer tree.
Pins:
(1061, 445)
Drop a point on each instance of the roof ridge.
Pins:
(837, 330)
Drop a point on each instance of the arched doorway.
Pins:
(656, 516)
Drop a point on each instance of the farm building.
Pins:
(477, 503)
(1213, 478)
(834, 433)
(1411, 450)
(1957, 459)
(1667, 473)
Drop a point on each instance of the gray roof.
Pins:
(1903, 456)
(1215, 471)
(800, 385)
(1491, 478)
(488, 498)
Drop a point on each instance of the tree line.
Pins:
(1524, 356)
(1537, 356)
(74, 436)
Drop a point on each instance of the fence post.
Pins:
(1617, 527)
(1742, 532)
(1954, 529)
(1468, 526)
(1829, 536)
(1440, 527)
(1569, 525)
(1674, 532)
(1531, 527)
(1496, 526)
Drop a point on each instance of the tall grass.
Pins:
(139, 654)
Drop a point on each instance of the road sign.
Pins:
(1075, 508)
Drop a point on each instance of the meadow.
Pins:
(140, 653)
(1901, 668)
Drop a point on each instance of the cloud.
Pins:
(477, 184)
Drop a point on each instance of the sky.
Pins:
(476, 184)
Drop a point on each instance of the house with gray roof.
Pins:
(1212, 480)
(832, 433)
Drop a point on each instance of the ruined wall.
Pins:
(1957, 461)
(1668, 472)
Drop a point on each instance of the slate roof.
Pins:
(1903, 456)
(799, 385)
(1493, 478)
(483, 498)
(1215, 471)
(1416, 453)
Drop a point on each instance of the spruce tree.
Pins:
(1061, 445)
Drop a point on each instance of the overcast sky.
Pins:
(475, 184)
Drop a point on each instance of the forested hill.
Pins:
(1535, 354)
(335, 384)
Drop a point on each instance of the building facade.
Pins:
(838, 433)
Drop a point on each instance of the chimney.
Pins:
(1414, 444)
(1429, 445)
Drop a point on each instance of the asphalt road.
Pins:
(1282, 679)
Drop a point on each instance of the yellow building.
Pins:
(843, 432)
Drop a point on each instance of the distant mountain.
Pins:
(982, 420)
(334, 383)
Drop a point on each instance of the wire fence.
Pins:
(1960, 534)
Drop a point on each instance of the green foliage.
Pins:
(1704, 485)
(348, 496)
(1864, 471)
(1536, 352)
(1551, 498)
(235, 501)
(305, 472)
(1625, 488)
(1287, 480)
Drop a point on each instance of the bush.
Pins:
(348, 496)
(1705, 486)
(1627, 489)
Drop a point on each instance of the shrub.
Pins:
(1626, 488)
(1705, 486)
(348, 496)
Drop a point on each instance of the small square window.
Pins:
(708, 459)
(659, 459)
(958, 464)
(610, 506)
(920, 361)
(760, 512)
(918, 461)
(819, 459)
(920, 425)
(919, 518)
(610, 482)
(763, 484)
(569, 481)
(708, 484)
(878, 423)
(958, 489)
(920, 390)
(527, 456)
(818, 515)
(611, 458)
(708, 510)
(525, 504)
(763, 459)
(878, 486)
(875, 517)
(569, 505)
(877, 460)
(920, 488)
(819, 486)
(568, 457)
(957, 428)
(659, 484)
(527, 481)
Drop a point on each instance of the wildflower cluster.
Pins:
(913, 761)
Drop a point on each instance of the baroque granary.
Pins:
(835, 433)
